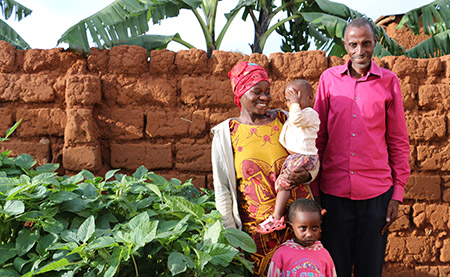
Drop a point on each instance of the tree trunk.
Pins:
(261, 26)
(211, 46)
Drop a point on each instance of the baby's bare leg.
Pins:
(280, 203)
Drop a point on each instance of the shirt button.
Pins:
(353, 135)
(354, 115)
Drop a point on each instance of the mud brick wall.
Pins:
(120, 108)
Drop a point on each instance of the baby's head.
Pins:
(305, 218)
(299, 91)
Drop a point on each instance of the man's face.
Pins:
(359, 43)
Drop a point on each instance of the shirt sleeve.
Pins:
(321, 106)
(301, 117)
(330, 268)
(397, 141)
(275, 265)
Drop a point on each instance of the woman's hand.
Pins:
(296, 177)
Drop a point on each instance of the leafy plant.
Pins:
(117, 225)
(8, 7)
(126, 22)
(324, 21)
(15, 166)
(435, 18)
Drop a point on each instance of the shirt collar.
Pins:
(374, 69)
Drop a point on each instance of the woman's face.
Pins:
(256, 100)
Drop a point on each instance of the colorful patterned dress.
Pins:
(258, 159)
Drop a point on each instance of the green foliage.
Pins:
(8, 8)
(435, 17)
(324, 21)
(155, 42)
(10, 131)
(126, 22)
(117, 225)
(16, 166)
(295, 37)
(435, 46)
(115, 24)
(262, 12)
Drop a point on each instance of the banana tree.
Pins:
(262, 13)
(8, 7)
(435, 18)
(328, 21)
(117, 23)
(127, 21)
(437, 45)
(325, 21)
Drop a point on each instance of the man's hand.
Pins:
(296, 177)
(391, 215)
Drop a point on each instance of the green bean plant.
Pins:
(117, 225)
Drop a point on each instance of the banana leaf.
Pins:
(380, 51)
(8, 6)
(331, 21)
(115, 24)
(154, 42)
(123, 21)
(434, 16)
(437, 45)
(10, 35)
(161, 9)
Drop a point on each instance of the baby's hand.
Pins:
(292, 96)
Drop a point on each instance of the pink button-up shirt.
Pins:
(363, 141)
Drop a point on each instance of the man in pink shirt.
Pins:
(364, 149)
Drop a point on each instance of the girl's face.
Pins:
(256, 100)
(306, 227)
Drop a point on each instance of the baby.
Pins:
(304, 255)
(298, 136)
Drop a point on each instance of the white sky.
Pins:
(51, 18)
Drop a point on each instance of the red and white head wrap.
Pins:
(243, 76)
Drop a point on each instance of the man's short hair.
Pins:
(359, 22)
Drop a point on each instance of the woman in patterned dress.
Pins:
(247, 158)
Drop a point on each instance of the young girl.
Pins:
(304, 255)
(298, 136)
